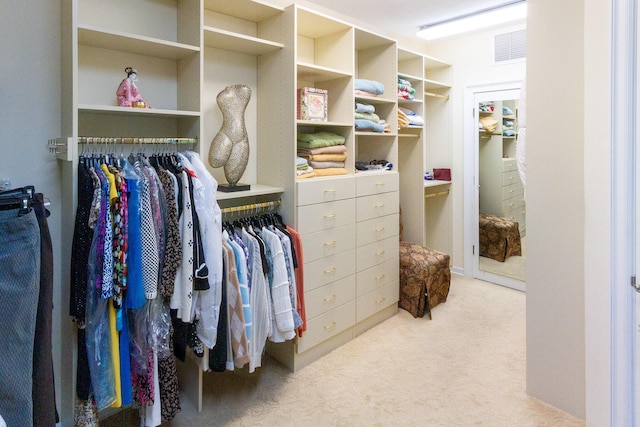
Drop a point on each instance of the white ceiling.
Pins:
(404, 17)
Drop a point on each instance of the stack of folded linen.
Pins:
(325, 152)
(405, 89)
(414, 118)
(303, 170)
(366, 119)
(364, 87)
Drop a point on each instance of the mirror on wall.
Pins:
(501, 202)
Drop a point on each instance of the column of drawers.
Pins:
(377, 228)
(513, 206)
(326, 216)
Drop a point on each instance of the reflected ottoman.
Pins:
(499, 237)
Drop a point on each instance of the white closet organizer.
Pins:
(426, 219)
(185, 53)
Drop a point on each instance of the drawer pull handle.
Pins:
(378, 301)
(379, 229)
(331, 243)
(330, 216)
(330, 191)
(331, 298)
(331, 326)
(379, 184)
(380, 277)
(380, 253)
(331, 271)
(380, 206)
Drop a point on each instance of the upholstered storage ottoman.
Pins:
(425, 278)
(499, 237)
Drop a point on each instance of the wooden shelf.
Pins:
(256, 190)
(236, 42)
(126, 111)
(131, 43)
(315, 73)
(250, 10)
(433, 84)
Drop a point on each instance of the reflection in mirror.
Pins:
(502, 222)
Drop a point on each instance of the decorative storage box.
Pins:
(312, 104)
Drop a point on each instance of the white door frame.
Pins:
(625, 220)
(473, 94)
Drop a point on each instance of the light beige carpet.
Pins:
(465, 367)
(514, 266)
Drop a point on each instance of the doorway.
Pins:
(495, 214)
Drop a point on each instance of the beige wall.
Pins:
(556, 203)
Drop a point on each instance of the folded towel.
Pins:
(371, 86)
(322, 150)
(336, 157)
(365, 108)
(364, 93)
(300, 161)
(325, 165)
(403, 120)
(368, 125)
(319, 139)
(330, 171)
(414, 118)
(506, 111)
(368, 116)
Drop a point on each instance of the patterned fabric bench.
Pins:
(425, 278)
(499, 237)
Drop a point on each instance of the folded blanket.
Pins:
(406, 88)
(323, 150)
(319, 139)
(365, 108)
(330, 171)
(368, 125)
(403, 120)
(414, 118)
(306, 175)
(325, 165)
(368, 116)
(371, 86)
(364, 93)
(336, 157)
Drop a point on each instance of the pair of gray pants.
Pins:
(19, 291)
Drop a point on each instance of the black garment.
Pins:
(218, 354)
(44, 399)
(81, 244)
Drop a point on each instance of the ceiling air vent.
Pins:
(510, 46)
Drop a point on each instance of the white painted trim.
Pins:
(472, 95)
(623, 190)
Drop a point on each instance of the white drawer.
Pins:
(377, 229)
(518, 215)
(326, 270)
(512, 204)
(513, 190)
(376, 183)
(377, 300)
(325, 216)
(328, 242)
(511, 177)
(377, 205)
(327, 325)
(320, 190)
(377, 252)
(330, 296)
(509, 164)
(377, 276)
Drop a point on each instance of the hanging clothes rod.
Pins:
(134, 140)
(252, 208)
(436, 95)
(439, 193)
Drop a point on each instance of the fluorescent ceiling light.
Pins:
(502, 14)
